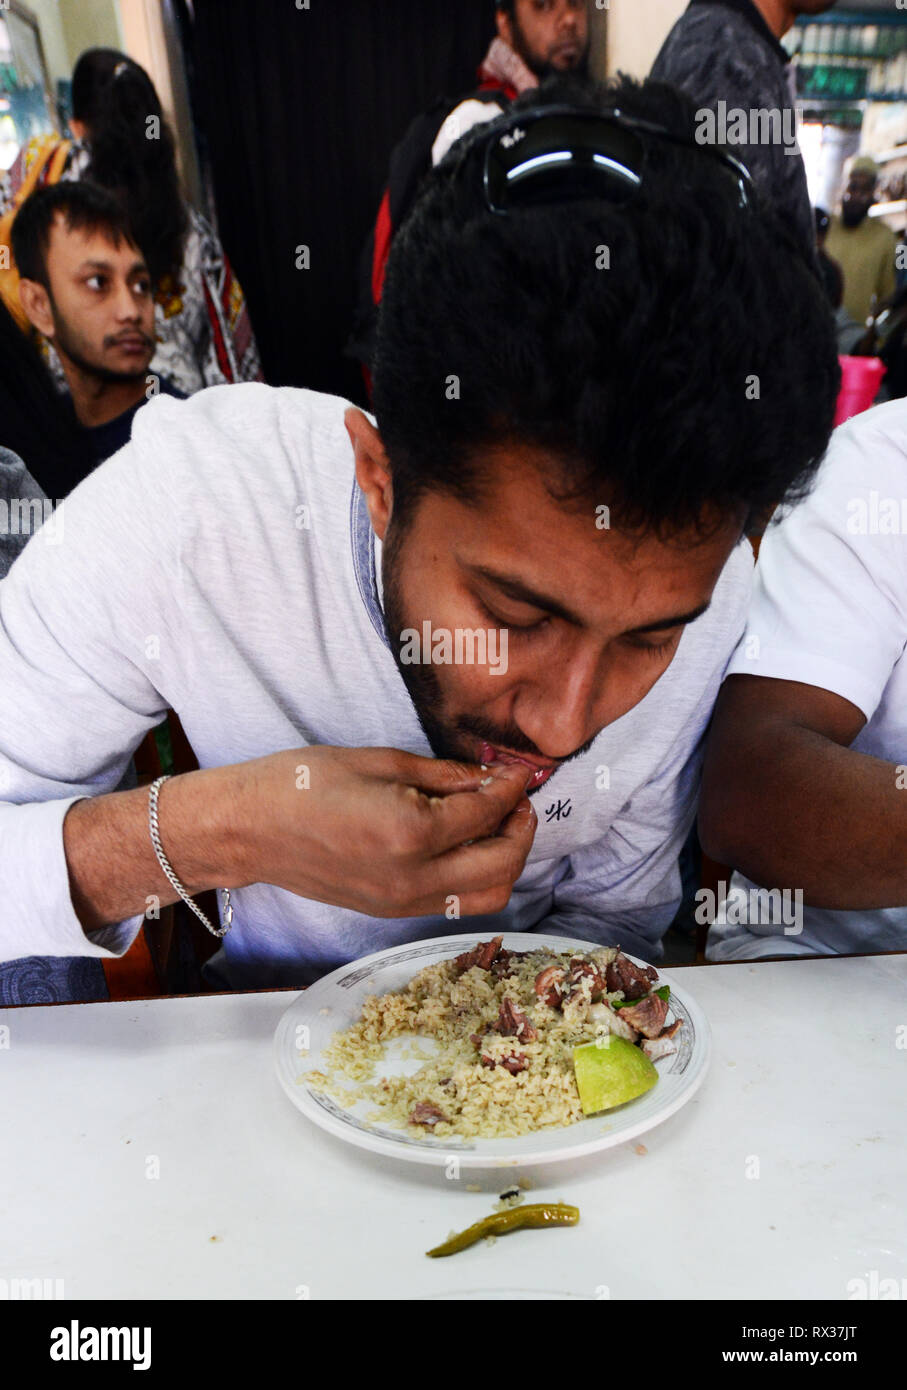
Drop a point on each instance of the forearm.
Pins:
(113, 869)
(790, 808)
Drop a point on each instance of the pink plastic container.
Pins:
(861, 378)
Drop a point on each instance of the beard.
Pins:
(447, 739)
(546, 70)
(852, 217)
(541, 67)
(77, 351)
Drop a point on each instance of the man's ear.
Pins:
(372, 468)
(36, 302)
(504, 27)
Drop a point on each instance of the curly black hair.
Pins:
(695, 378)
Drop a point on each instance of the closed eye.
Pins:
(654, 648)
(524, 629)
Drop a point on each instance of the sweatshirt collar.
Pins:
(366, 561)
(752, 15)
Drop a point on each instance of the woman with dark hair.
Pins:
(123, 143)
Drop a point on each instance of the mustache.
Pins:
(510, 737)
(111, 340)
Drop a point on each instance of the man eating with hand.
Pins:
(447, 668)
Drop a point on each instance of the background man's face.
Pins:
(572, 599)
(858, 198)
(549, 35)
(101, 302)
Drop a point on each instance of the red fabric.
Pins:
(491, 84)
(383, 235)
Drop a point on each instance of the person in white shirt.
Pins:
(805, 788)
(449, 667)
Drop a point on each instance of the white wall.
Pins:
(90, 24)
(636, 31)
(53, 37)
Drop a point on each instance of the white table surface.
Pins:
(253, 1201)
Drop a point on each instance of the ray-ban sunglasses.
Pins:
(555, 153)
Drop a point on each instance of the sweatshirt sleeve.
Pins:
(87, 617)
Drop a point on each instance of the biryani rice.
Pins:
(478, 1100)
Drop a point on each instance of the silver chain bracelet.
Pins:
(164, 862)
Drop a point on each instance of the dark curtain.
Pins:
(299, 111)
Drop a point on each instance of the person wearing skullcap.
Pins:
(863, 246)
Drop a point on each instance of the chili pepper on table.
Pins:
(540, 1214)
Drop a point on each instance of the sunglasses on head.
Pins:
(556, 153)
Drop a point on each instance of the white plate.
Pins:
(335, 1002)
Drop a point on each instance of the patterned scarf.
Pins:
(502, 64)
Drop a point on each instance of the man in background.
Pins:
(730, 51)
(85, 286)
(535, 39)
(862, 245)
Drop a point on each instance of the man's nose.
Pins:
(561, 717)
(128, 305)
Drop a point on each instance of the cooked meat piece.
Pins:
(671, 1029)
(500, 966)
(614, 1020)
(482, 955)
(548, 985)
(662, 1046)
(581, 966)
(504, 963)
(624, 975)
(427, 1115)
(514, 1024)
(647, 1016)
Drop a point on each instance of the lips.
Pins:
(541, 771)
(131, 344)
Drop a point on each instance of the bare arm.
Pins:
(113, 868)
(790, 804)
(385, 833)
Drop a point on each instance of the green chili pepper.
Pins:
(503, 1222)
(663, 993)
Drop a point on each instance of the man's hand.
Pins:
(379, 831)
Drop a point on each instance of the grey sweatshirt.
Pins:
(223, 565)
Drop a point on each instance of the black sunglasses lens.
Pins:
(562, 157)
